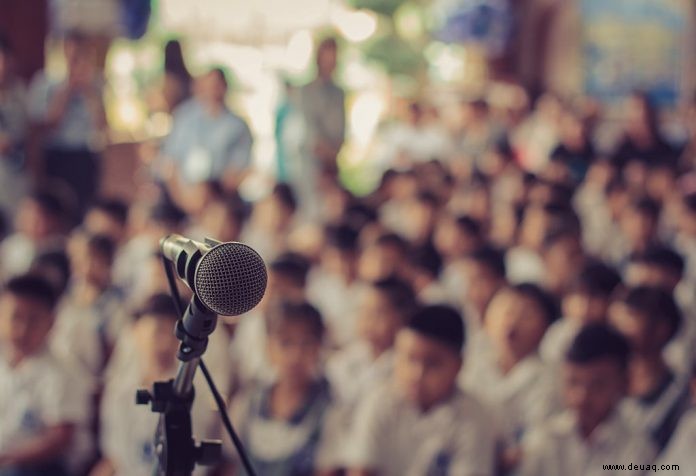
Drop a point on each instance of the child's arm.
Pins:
(103, 468)
(49, 445)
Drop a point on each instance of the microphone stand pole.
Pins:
(176, 452)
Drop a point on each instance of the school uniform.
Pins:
(523, 398)
(293, 447)
(557, 448)
(353, 371)
(38, 393)
(247, 350)
(337, 302)
(557, 340)
(658, 414)
(680, 450)
(393, 437)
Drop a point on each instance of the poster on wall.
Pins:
(634, 44)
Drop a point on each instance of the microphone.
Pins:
(228, 278)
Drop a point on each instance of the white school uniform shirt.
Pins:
(524, 266)
(658, 418)
(558, 339)
(556, 448)
(127, 430)
(337, 302)
(523, 398)
(393, 437)
(353, 372)
(41, 392)
(680, 450)
(248, 350)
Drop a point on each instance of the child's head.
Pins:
(428, 355)
(639, 222)
(421, 216)
(383, 309)
(687, 215)
(153, 330)
(287, 277)
(55, 267)
(457, 236)
(92, 257)
(657, 266)
(589, 295)
(517, 318)
(41, 215)
(595, 374)
(108, 216)
(424, 264)
(26, 315)
(648, 318)
(484, 274)
(275, 211)
(563, 255)
(383, 257)
(339, 255)
(295, 334)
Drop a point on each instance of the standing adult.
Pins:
(323, 107)
(71, 110)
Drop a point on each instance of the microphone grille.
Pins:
(230, 279)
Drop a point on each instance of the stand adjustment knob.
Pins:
(143, 397)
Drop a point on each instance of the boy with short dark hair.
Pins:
(109, 217)
(511, 376)
(283, 423)
(593, 431)
(43, 406)
(586, 302)
(420, 422)
(649, 318)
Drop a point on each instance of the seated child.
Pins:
(512, 378)
(586, 302)
(648, 318)
(127, 430)
(419, 422)
(383, 309)
(43, 405)
(592, 431)
(282, 422)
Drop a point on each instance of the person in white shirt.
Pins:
(423, 266)
(586, 302)
(419, 422)
(512, 378)
(593, 431)
(43, 405)
(284, 424)
(127, 430)
(363, 364)
(649, 318)
(680, 450)
(333, 286)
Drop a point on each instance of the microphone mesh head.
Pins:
(230, 279)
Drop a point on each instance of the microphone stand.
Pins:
(176, 452)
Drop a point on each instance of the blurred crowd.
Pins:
(516, 297)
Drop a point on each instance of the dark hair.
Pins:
(427, 198)
(75, 35)
(359, 214)
(221, 73)
(441, 323)
(690, 202)
(55, 267)
(596, 279)
(343, 237)
(102, 245)
(426, 258)
(293, 266)
(392, 239)
(656, 304)
(646, 206)
(546, 302)
(468, 225)
(34, 287)
(160, 305)
(661, 256)
(167, 213)
(559, 234)
(399, 293)
(284, 193)
(50, 203)
(596, 342)
(5, 45)
(329, 42)
(285, 312)
(492, 258)
(174, 60)
(114, 207)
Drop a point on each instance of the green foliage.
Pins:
(395, 55)
(383, 7)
